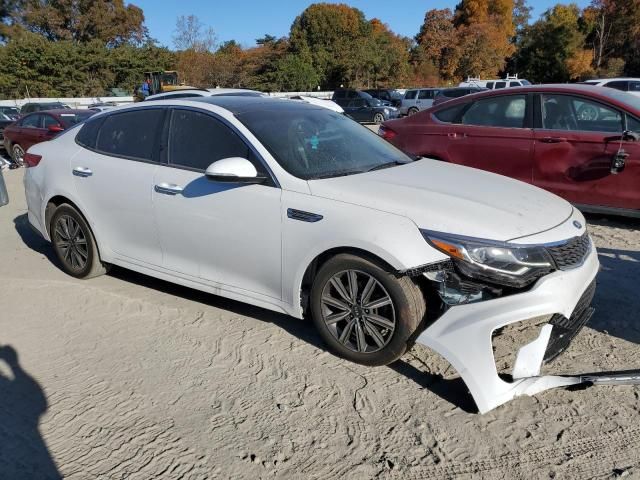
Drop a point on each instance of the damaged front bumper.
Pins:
(463, 334)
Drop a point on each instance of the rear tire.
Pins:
(17, 155)
(378, 118)
(362, 312)
(74, 243)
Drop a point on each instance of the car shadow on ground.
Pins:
(617, 302)
(451, 390)
(23, 452)
(32, 240)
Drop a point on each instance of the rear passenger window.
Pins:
(504, 111)
(501, 84)
(196, 140)
(32, 121)
(425, 94)
(88, 134)
(490, 85)
(130, 134)
(411, 94)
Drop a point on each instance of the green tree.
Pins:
(547, 47)
(110, 21)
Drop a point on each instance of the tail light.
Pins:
(386, 133)
(31, 159)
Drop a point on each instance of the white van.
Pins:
(509, 81)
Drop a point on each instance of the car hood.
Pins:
(451, 198)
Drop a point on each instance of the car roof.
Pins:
(61, 111)
(244, 104)
(609, 95)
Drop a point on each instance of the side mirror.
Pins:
(629, 136)
(619, 162)
(55, 128)
(233, 170)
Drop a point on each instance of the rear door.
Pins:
(222, 232)
(113, 176)
(575, 143)
(495, 134)
(31, 131)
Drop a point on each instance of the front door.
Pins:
(574, 150)
(114, 180)
(222, 232)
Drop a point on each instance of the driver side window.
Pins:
(565, 112)
(196, 140)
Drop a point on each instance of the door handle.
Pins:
(82, 172)
(553, 139)
(168, 188)
(456, 135)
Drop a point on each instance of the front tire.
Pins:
(363, 313)
(74, 244)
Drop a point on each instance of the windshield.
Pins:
(631, 100)
(9, 113)
(70, 119)
(314, 143)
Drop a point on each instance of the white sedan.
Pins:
(298, 209)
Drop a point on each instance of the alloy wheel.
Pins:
(358, 311)
(378, 118)
(18, 155)
(71, 242)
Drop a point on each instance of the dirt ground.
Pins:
(125, 376)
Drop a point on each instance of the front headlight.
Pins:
(496, 262)
(386, 111)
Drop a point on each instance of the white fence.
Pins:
(84, 102)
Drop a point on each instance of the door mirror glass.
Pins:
(233, 169)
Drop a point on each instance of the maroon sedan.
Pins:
(577, 141)
(39, 127)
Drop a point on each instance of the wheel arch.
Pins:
(303, 287)
(53, 203)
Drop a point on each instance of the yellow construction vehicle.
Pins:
(159, 82)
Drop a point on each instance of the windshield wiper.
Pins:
(335, 174)
(386, 165)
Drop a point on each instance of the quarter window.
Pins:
(505, 111)
(451, 114)
(564, 112)
(130, 134)
(196, 140)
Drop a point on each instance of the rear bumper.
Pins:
(463, 335)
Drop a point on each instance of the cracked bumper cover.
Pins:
(463, 335)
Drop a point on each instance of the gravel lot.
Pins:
(125, 376)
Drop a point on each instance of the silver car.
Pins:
(417, 99)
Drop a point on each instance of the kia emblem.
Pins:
(577, 224)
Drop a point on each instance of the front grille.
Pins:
(572, 253)
(565, 329)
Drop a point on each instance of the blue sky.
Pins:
(246, 20)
